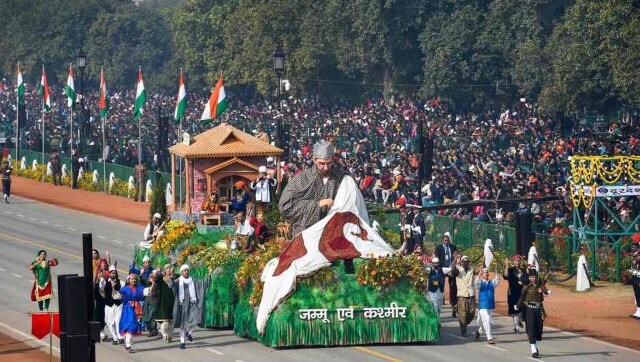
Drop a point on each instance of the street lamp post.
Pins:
(82, 64)
(278, 67)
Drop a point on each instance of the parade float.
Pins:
(335, 284)
(299, 293)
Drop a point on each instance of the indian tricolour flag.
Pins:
(217, 103)
(70, 90)
(141, 97)
(181, 101)
(44, 91)
(20, 89)
(104, 99)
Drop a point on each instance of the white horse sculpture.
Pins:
(131, 186)
(95, 176)
(169, 194)
(64, 171)
(112, 180)
(148, 191)
(23, 163)
(49, 169)
(34, 165)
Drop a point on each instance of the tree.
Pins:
(158, 200)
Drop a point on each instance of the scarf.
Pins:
(192, 288)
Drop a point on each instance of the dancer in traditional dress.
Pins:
(531, 299)
(517, 277)
(110, 291)
(635, 281)
(187, 309)
(435, 288)
(466, 304)
(130, 319)
(486, 304)
(42, 291)
(166, 300)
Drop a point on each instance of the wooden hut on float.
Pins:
(216, 159)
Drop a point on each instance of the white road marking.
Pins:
(28, 337)
(44, 222)
(20, 215)
(16, 275)
(535, 359)
(239, 360)
(32, 218)
(592, 339)
(3, 270)
(455, 336)
(72, 229)
(132, 244)
(8, 212)
(117, 241)
(57, 225)
(494, 347)
(215, 351)
(101, 237)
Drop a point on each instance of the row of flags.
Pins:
(216, 104)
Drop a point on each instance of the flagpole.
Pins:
(180, 166)
(18, 117)
(139, 125)
(44, 94)
(71, 136)
(104, 131)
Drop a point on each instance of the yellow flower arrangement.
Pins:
(251, 269)
(384, 271)
(177, 232)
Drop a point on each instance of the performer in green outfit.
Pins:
(42, 290)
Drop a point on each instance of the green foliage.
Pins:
(158, 201)
(568, 55)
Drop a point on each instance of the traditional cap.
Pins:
(184, 267)
(447, 234)
(262, 169)
(146, 258)
(167, 266)
(397, 172)
(435, 260)
(133, 276)
(323, 149)
(113, 268)
(157, 215)
(464, 257)
(533, 272)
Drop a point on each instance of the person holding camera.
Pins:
(262, 188)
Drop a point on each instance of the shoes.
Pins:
(153, 333)
(127, 348)
(535, 355)
(491, 341)
(189, 338)
(182, 346)
(131, 350)
(115, 343)
(477, 336)
(520, 325)
(121, 341)
(634, 316)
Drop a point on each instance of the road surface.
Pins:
(28, 226)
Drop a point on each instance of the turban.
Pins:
(184, 267)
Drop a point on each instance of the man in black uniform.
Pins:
(444, 252)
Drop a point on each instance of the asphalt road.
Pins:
(27, 226)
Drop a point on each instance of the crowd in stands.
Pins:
(512, 153)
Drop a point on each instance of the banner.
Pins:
(608, 191)
(41, 324)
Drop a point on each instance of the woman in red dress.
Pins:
(42, 290)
